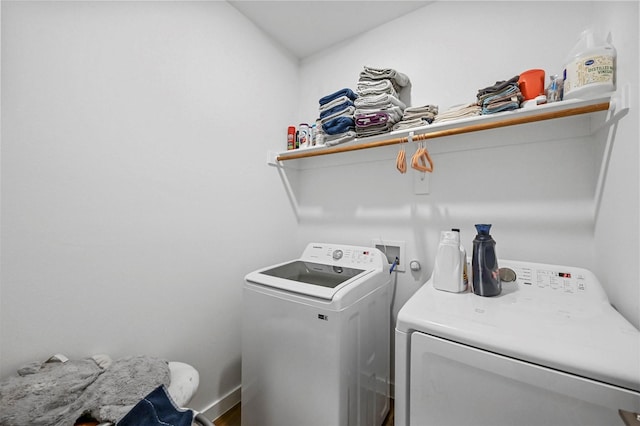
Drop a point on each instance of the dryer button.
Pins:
(337, 254)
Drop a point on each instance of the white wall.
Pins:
(539, 197)
(135, 190)
(617, 228)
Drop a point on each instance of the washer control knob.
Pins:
(337, 254)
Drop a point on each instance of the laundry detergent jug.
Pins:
(448, 272)
(484, 263)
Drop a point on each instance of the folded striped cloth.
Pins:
(335, 102)
(504, 103)
(509, 98)
(394, 112)
(379, 101)
(498, 86)
(336, 109)
(371, 119)
(367, 88)
(346, 112)
(373, 123)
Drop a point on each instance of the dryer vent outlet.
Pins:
(392, 249)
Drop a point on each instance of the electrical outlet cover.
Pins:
(421, 183)
(392, 248)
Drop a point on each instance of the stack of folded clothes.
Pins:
(459, 111)
(416, 116)
(502, 96)
(378, 106)
(336, 116)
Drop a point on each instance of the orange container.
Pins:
(291, 138)
(531, 83)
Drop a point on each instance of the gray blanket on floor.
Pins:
(58, 393)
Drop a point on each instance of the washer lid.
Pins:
(308, 278)
(553, 316)
(323, 270)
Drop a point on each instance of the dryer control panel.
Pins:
(553, 281)
(561, 280)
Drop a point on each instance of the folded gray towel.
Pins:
(378, 87)
(411, 112)
(409, 124)
(331, 140)
(371, 73)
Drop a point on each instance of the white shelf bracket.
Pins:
(620, 100)
(618, 107)
(272, 159)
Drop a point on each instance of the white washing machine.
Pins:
(550, 350)
(315, 339)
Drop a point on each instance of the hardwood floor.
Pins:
(230, 418)
(390, 416)
(233, 417)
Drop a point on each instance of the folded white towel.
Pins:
(459, 111)
(382, 100)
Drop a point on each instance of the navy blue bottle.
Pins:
(484, 263)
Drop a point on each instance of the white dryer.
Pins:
(316, 339)
(550, 350)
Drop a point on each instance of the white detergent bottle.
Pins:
(448, 270)
(590, 69)
(463, 260)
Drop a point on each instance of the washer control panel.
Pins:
(343, 255)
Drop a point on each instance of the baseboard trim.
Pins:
(227, 402)
(222, 405)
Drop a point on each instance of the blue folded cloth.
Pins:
(342, 92)
(157, 408)
(339, 125)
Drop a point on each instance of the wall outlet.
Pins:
(421, 183)
(392, 249)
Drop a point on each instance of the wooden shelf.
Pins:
(456, 127)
